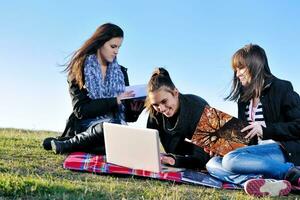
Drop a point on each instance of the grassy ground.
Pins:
(29, 172)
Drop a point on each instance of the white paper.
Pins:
(138, 90)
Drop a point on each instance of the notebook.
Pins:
(140, 91)
(132, 147)
(219, 132)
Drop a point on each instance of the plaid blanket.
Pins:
(80, 161)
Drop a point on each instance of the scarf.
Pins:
(111, 86)
(97, 88)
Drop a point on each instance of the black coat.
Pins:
(85, 107)
(281, 110)
(185, 153)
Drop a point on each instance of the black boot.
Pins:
(46, 144)
(61, 147)
(91, 141)
(293, 176)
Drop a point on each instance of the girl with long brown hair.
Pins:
(96, 85)
(272, 109)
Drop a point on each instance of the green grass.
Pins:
(29, 172)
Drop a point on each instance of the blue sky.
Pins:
(193, 39)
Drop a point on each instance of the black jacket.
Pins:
(186, 154)
(281, 110)
(85, 108)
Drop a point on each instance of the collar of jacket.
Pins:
(268, 83)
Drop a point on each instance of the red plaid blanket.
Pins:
(80, 161)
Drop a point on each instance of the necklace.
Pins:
(165, 126)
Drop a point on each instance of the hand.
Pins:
(167, 160)
(137, 105)
(211, 154)
(255, 130)
(125, 95)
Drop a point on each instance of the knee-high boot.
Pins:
(91, 141)
(293, 176)
(46, 144)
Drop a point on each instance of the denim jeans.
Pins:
(249, 162)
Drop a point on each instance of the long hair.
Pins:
(102, 34)
(160, 79)
(254, 58)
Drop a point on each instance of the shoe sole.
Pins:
(53, 146)
(261, 187)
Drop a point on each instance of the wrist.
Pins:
(118, 100)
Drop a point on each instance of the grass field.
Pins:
(29, 172)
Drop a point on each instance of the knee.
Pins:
(97, 129)
(231, 160)
(213, 163)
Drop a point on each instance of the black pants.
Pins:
(90, 141)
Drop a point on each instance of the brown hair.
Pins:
(254, 58)
(160, 79)
(102, 34)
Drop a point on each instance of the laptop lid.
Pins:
(132, 147)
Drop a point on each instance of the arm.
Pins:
(84, 107)
(131, 114)
(289, 127)
(153, 122)
(133, 108)
(196, 159)
(187, 155)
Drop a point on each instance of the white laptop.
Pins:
(132, 147)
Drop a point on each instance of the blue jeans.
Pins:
(249, 162)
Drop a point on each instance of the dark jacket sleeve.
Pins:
(289, 127)
(130, 114)
(153, 122)
(125, 74)
(85, 107)
(196, 160)
(191, 156)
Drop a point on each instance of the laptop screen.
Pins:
(132, 147)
